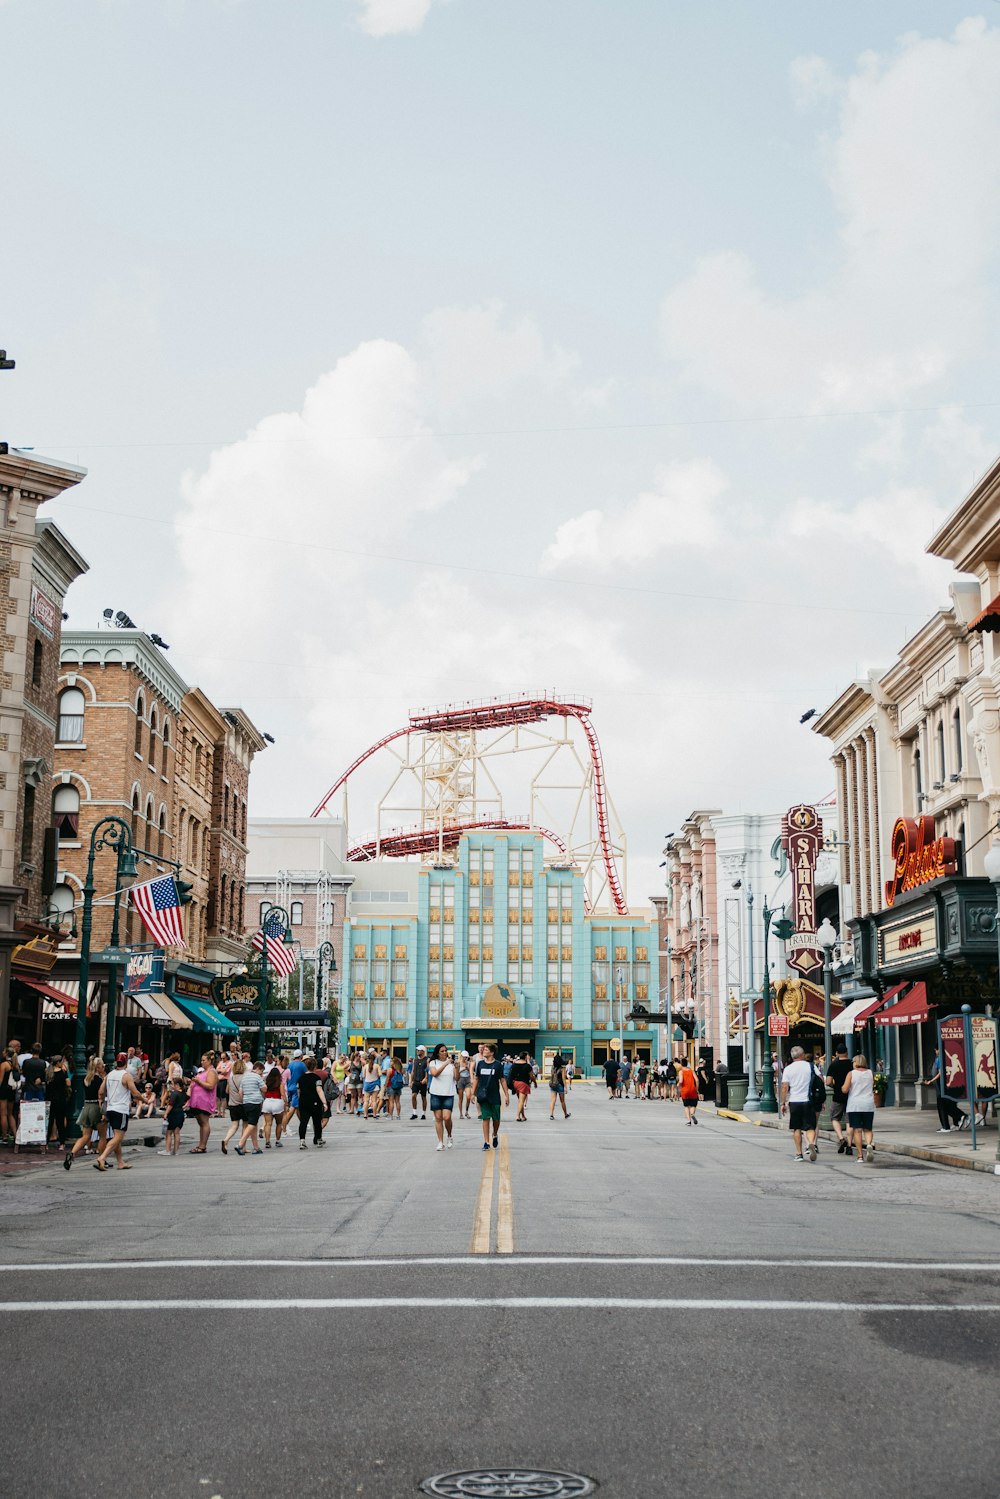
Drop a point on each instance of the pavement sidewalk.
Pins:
(909, 1132)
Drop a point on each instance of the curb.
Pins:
(917, 1152)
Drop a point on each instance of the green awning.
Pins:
(206, 1017)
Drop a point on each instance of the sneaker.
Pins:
(963, 1123)
(303, 1145)
(945, 1129)
(279, 1144)
(439, 1146)
(869, 1153)
(450, 1143)
(486, 1145)
(496, 1142)
(813, 1152)
(423, 1116)
(798, 1158)
(413, 1116)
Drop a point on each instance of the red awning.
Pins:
(50, 991)
(910, 1011)
(869, 1010)
(988, 618)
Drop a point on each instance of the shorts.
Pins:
(464, 1081)
(175, 1119)
(118, 1121)
(368, 1088)
(89, 1116)
(273, 1106)
(490, 1111)
(236, 1111)
(293, 1099)
(251, 1113)
(442, 1101)
(838, 1108)
(523, 1089)
(801, 1116)
(690, 1103)
(861, 1121)
(419, 1090)
(197, 1114)
(557, 1087)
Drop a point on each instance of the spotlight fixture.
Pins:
(269, 738)
(158, 640)
(811, 713)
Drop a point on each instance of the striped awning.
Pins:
(60, 997)
(143, 1007)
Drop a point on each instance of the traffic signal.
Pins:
(184, 888)
(783, 929)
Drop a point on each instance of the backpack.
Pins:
(817, 1088)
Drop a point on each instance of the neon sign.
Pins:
(919, 857)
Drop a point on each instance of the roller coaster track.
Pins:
(497, 713)
(400, 842)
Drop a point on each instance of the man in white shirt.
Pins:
(796, 1082)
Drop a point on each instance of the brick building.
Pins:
(37, 566)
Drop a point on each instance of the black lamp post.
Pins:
(110, 832)
(276, 915)
(782, 929)
(326, 956)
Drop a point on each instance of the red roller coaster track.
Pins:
(496, 713)
(400, 842)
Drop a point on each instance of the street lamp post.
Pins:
(752, 1105)
(326, 964)
(621, 982)
(768, 1102)
(991, 864)
(277, 919)
(110, 832)
(826, 937)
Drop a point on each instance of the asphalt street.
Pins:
(617, 1296)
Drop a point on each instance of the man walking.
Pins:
(611, 1075)
(796, 1100)
(837, 1074)
(116, 1095)
(418, 1083)
(489, 1082)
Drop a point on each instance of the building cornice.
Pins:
(853, 703)
(56, 559)
(125, 648)
(970, 537)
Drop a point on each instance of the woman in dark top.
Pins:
(520, 1081)
(557, 1084)
(58, 1095)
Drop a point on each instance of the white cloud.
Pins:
(913, 169)
(392, 17)
(679, 512)
(471, 352)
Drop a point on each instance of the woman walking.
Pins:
(465, 1087)
(860, 1090)
(688, 1085)
(252, 1101)
(442, 1091)
(949, 1112)
(201, 1104)
(222, 1098)
(557, 1084)
(273, 1108)
(371, 1087)
(234, 1099)
(58, 1094)
(395, 1082)
(520, 1081)
(90, 1117)
(10, 1081)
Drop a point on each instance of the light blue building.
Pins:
(500, 948)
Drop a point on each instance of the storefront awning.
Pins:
(143, 1007)
(60, 997)
(206, 1017)
(912, 1010)
(850, 1017)
(988, 618)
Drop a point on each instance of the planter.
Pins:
(879, 1100)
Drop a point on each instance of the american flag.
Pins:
(159, 906)
(280, 956)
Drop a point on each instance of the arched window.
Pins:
(232, 907)
(296, 913)
(939, 737)
(221, 922)
(161, 847)
(37, 655)
(166, 745)
(140, 714)
(152, 738)
(70, 729)
(135, 817)
(918, 781)
(62, 901)
(265, 906)
(956, 732)
(66, 812)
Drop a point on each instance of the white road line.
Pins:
(978, 1267)
(512, 1303)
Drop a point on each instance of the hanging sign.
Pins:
(985, 1039)
(954, 1068)
(40, 955)
(239, 990)
(802, 840)
(918, 856)
(144, 971)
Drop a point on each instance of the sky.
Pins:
(426, 350)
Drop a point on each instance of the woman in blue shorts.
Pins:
(442, 1093)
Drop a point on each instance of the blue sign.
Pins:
(144, 970)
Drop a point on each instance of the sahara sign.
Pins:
(918, 856)
(802, 840)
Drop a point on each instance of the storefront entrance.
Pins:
(512, 1044)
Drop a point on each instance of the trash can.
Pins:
(737, 1093)
(722, 1084)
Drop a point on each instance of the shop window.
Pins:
(37, 656)
(66, 812)
(70, 730)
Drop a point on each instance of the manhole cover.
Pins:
(508, 1483)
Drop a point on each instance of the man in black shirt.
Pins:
(418, 1083)
(611, 1076)
(34, 1071)
(489, 1081)
(837, 1074)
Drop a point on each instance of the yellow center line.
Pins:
(484, 1207)
(505, 1204)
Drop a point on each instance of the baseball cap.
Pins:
(296, 1054)
(121, 1059)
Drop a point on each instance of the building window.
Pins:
(70, 730)
(265, 906)
(166, 746)
(940, 750)
(66, 812)
(152, 736)
(161, 847)
(36, 664)
(28, 825)
(956, 729)
(225, 807)
(296, 913)
(140, 713)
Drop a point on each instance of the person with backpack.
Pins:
(803, 1094)
(557, 1084)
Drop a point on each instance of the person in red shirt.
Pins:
(689, 1091)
